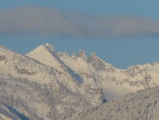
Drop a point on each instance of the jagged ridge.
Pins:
(94, 71)
(76, 82)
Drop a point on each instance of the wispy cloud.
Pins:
(46, 21)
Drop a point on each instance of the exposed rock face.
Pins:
(24, 71)
(2, 57)
(82, 54)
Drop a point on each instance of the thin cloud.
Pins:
(46, 21)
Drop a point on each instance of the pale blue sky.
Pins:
(120, 51)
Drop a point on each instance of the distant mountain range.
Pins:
(49, 85)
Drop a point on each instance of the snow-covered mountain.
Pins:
(41, 90)
(45, 84)
(94, 71)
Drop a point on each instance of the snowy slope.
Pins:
(143, 105)
(9, 113)
(114, 82)
(96, 72)
(47, 55)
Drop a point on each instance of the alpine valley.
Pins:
(48, 85)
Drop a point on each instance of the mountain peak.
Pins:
(82, 54)
(93, 56)
(46, 54)
(49, 47)
(44, 47)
